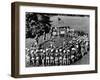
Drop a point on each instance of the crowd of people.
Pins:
(66, 54)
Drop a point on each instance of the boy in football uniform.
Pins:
(56, 57)
(47, 57)
(60, 57)
(52, 57)
(64, 57)
(73, 53)
(37, 58)
(68, 56)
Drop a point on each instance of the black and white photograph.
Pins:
(52, 39)
(56, 39)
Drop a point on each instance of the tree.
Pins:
(37, 25)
